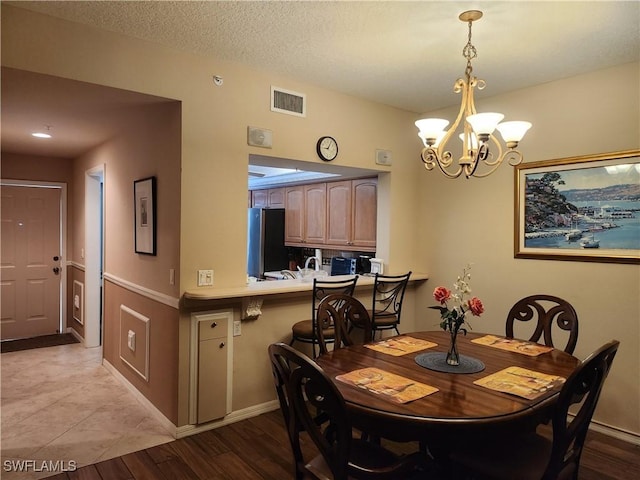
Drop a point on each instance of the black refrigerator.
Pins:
(265, 242)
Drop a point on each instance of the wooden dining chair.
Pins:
(305, 331)
(545, 310)
(532, 456)
(388, 294)
(304, 389)
(337, 313)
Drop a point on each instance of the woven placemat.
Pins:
(437, 361)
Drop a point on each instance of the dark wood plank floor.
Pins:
(258, 448)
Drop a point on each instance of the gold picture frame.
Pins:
(583, 208)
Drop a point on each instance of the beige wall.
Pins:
(472, 221)
(148, 145)
(427, 223)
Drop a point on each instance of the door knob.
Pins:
(222, 345)
(56, 258)
(56, 270)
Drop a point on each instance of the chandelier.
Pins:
(477, 132)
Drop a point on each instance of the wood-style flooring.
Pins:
(258, 448)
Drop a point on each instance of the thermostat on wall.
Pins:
(383, 157)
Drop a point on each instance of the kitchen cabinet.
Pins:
(259, 198)
(293, 216)
(364, 203)
(352, 214)
(275, 197)
(305, 215)
(268, 198)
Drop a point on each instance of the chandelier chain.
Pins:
(469, 52)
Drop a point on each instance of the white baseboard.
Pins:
(158, 415)
(76, 335)
(615, 432)
(253, 411)
(187, 430)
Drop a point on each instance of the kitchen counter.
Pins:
(258, 289)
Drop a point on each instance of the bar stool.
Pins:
(388, 293)
(304, 331)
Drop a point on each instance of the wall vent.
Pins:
(286, 101)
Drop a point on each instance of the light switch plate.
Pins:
(205, 278)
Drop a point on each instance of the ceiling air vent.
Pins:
(286, 101)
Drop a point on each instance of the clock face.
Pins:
(327, 148)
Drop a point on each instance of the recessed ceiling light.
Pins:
(45, 134)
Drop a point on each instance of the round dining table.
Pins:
(459, 407)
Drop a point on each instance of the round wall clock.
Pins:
(327, 148)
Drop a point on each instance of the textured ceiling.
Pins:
(404, 54)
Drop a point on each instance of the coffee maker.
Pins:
(363, 265)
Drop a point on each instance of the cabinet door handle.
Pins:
(214, 325)
(221, 344)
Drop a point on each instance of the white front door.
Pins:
(30, 263)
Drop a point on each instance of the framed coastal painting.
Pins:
(579, 208)
(144, 194)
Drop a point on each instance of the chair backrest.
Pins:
(323, 288)
(282, 363)
(582, 387)
(342, 312)
(309, 391)
(559, 311)
(388, 292)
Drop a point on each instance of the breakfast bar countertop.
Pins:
(276, 287)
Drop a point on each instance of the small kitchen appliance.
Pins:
(377, 266)
(363, 265)
(343, 266)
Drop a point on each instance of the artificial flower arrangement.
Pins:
(453, 318)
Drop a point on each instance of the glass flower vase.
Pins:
(453, 357)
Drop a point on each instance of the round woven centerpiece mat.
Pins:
(438, 361)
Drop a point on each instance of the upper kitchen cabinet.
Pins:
(271, 198)
(259, 198)
(352, 214)
(305, 215)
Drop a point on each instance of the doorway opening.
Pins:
(94, 255)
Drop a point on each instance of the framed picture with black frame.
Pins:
(144, 195)
(579, 208)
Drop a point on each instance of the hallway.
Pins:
(59, 404)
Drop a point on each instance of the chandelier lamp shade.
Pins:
(479, 145)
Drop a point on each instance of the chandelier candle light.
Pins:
(478, 128)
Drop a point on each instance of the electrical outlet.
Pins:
(237, 328)
(205, 278)
(172, 276)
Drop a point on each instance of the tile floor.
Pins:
(59, 404)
